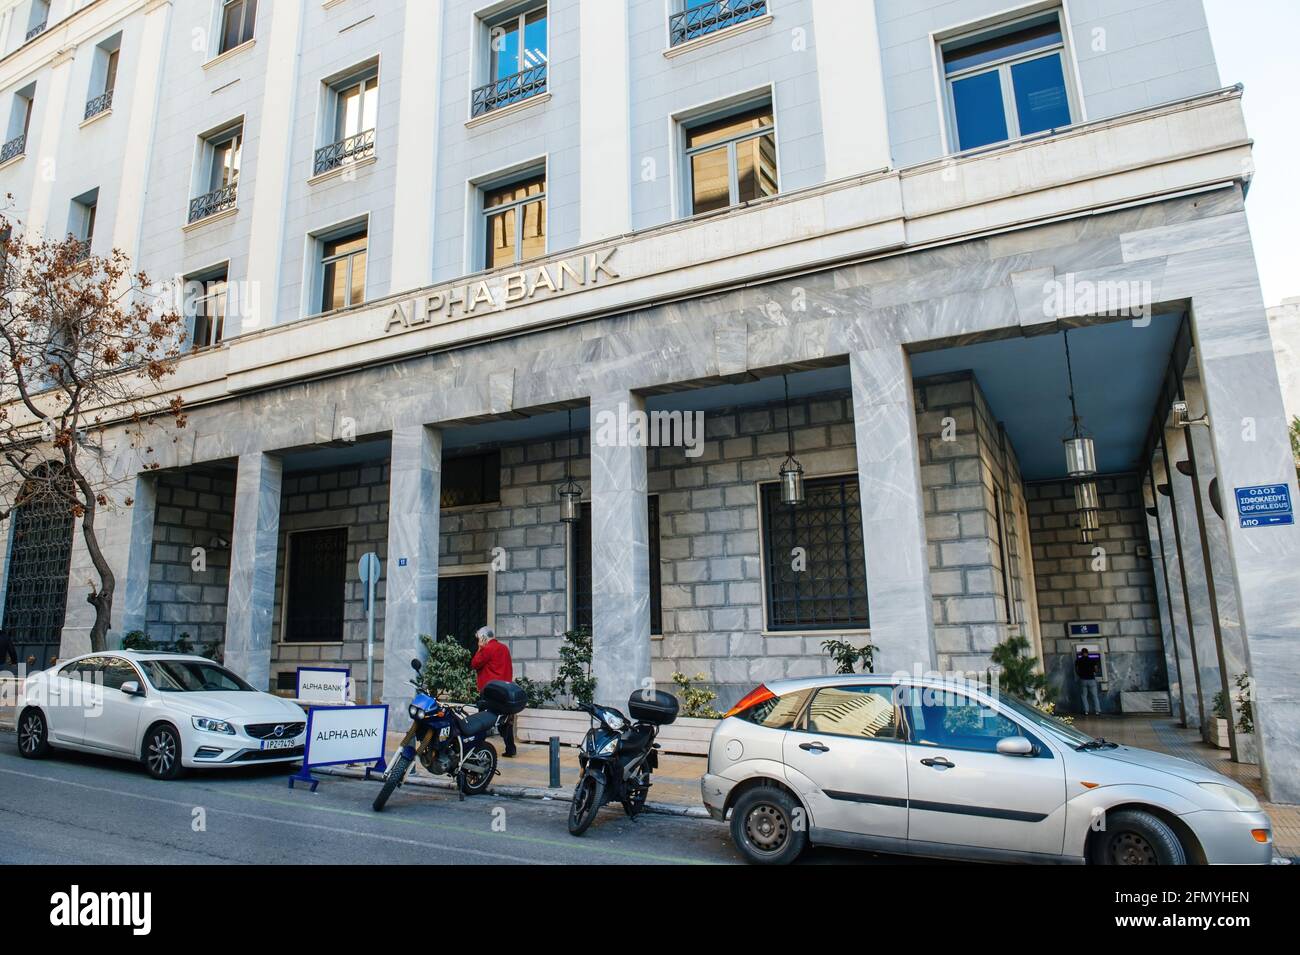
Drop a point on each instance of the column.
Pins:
(254, 542)
(893, 510)
(43, 145)
(605, 149)
(411, 588)
(1189, 680)
(620, 551)
(1164, 599)
(134, 585)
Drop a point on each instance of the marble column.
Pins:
(1201, 603)
(620, 551)
(893, 510)
(135, 583)
(254, 542)
(1164, 599)
(411, 588)
(1189, 680)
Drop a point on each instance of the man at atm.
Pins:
(1086, 667)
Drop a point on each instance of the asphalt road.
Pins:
(73, 808)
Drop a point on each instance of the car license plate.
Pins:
(278, 744)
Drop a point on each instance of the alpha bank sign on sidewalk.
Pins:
(499, 293)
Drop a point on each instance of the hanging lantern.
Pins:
(791, 472)
(570, 491)
(1080, 457)
(1086, 497)
(1089, 520)
(1086, 537)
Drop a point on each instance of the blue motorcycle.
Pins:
(449, 742)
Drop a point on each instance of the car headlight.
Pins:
(1238, 797)
(610, 747)
(210, 725)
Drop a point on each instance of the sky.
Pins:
(1254, 43)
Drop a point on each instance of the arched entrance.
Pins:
(40, 550)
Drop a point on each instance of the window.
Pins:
(1008, 82)
(103, 77)
(352, 108)
(38, 19)
(516, 60)
(863, 712)
(237, 20)
(81, 224)
(118, 671)
(581, 564)
(193, 676)
(40, 549)
(462, 607)
(515, 222)
(20, 121)
(218, 183)
(830, 592)
(317, 576)
(777, 712)
(951, 720)
(471, 479)
(207, 298)
(343, 269)
(731, 160)
(697, 18)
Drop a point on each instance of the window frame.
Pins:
(214, 146)
(655, 548)
(483, 232)
(1041, 749)
(519, 15)
(247, 29)
(730, 144)
(207, 277)
(901, 725)
(317, 262)
(287, 592)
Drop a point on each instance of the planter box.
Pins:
(1247, 750)
(1221, 734)
(686, 736)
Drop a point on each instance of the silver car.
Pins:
(946, 769)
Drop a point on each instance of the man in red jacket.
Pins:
(492, 662)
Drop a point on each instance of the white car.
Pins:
(167, 710)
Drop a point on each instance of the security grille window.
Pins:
(343, 271)
(220, 180)
(36, 591)
(20, 121)
(103, 77)
(38, 19)
(462, 607)
(517, 61)
(1008, 82)
(731, 160)
(317, 579)
(471, 479)
(238, 18)
(814, 561)
(698, 18)
(209, 296)
(355, 108)
(515, 222)
(581, 564)
(81, 226)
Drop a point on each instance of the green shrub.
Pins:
(695, 700)
(573, 676)
(447, 674)
(1245, 700)
(847, 656)
(539, 694)
(1018, 671)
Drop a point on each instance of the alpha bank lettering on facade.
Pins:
(500, 293)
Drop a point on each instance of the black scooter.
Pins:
(617, 756)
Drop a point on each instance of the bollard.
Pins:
(555, 762)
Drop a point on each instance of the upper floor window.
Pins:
(207, 297)
(516, 60)
(237, 20)
(1007, 82)
(515, 221)
(731, 160)
(697, 18)
(38, 19)
(470, 479)
(81, 222)
(351, 111)
(219, 159)
(103, 77)
(20, 121)
(343, 267)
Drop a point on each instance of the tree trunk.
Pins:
(100, 598)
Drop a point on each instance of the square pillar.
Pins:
(620, 550)
(1164, 599)
(893, 510)
(410, 589)
(1175, 574)
(250, 601)
(135, 583)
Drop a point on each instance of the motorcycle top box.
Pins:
(653, 706)
(502, 698)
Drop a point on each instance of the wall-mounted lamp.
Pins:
(1182, 417)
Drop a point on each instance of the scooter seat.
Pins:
(479, 723)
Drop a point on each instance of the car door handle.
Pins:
(815, 747)
(940, 761)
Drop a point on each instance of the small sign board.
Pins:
(1268, 505)
(1085, 629)
(343, 734)
(324, 685)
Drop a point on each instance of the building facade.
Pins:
(438, 258)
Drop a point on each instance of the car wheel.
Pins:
(162, 752)
(769, 826)
(1133, 837)
(33, 735)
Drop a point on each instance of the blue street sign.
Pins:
(1265, 506)
(1085, 629)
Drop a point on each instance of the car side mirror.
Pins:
(1015, 746)
(131, 688)
(416, 665)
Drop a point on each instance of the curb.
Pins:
(518, 792)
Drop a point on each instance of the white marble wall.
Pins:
(253, 549)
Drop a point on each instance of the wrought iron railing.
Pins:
(37, 30)
(350, 150)
(218, 200)
(100, 104)
(508, 90)
(15, 147)
(708, 18)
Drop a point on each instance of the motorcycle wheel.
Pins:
(477, 769)
(588, 797)
(396, 773)
(638, 789)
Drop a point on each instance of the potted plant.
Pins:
(1247, 748)
(1221, 717)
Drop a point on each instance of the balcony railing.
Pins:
(508, 90)
(37, 30)
(345, 151)
(100, 104)
(14, 148)
(708, 18)
(218, 200)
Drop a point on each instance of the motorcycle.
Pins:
(449, 742)
(618, 755)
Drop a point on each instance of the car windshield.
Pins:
(1040, 719)
(189, 676)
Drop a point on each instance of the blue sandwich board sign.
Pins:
(1265, 506)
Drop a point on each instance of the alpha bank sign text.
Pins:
(499, 293)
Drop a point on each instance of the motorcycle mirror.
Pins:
(416, 665)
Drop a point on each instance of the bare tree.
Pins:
(85, 346)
